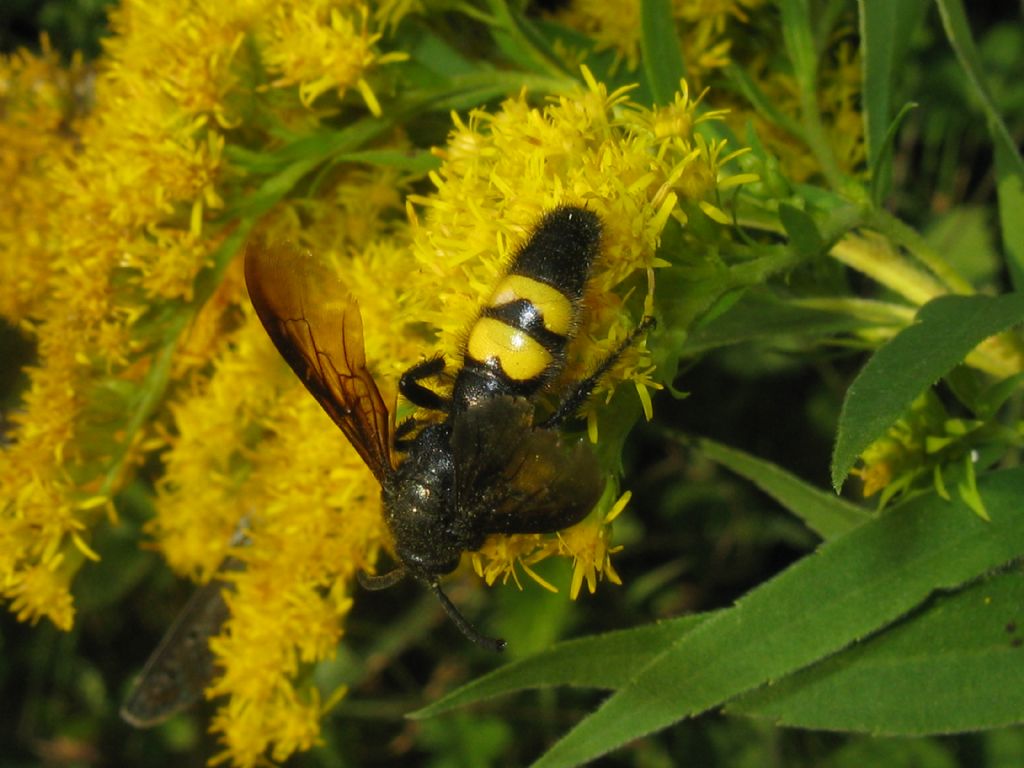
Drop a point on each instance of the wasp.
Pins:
(486, 463)
(486, 460)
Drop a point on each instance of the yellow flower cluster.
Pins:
(39, 101)
(336, 48)
(113, 178)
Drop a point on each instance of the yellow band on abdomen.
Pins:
(552, 304)
(520, 357)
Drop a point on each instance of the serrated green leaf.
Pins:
(602, 661)
(944, 332)
(849, 588)
(822, 512)
(663, 59)
(956, 666)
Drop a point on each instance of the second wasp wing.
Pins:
(183, 664)
(317, 328)
(513, 477)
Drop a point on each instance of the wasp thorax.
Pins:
(419, 508)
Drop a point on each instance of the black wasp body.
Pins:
(483, 464)
(515, 347)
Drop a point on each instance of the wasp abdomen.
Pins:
(519, 340)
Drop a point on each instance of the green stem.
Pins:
(817, 138)
(152, 392)
(778, 259)
(796, 28)
(475, 13)
(508, 24)
(158, 377)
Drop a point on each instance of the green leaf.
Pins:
(431, 53)
(297, 159)
(760, 316)
(954, 667)
(762, 103)
(944, 332)
(452, 741)
(881, 170)
(1009, 165)
(1010, 192)
(885, 35)
(995, 397)
(663, 58)
(414, 161)
(964, 236)
(601, 661)
(822, 512)
(804, 237)
(849, 588)
(895, 753)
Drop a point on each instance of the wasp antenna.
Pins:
(376, 581)
(489, 643)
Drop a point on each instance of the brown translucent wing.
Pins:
(317, 328)
(512, 477)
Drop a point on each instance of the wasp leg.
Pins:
(579, 393)
(460, 621)
(417, 394)
(402, 432)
